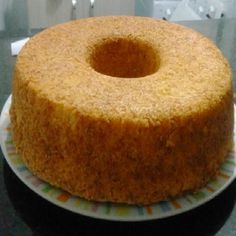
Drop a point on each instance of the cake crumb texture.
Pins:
(122, 109)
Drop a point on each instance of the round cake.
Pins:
(122, 109)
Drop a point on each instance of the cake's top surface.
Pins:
(177, 71)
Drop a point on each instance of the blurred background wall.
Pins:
(23, 15)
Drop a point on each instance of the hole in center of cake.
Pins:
(127, 58)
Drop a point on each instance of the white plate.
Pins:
(110, 211)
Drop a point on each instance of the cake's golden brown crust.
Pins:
(133, 140)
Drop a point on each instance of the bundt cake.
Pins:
(122, 109)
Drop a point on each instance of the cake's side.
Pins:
(119, 162)
(133, 140)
